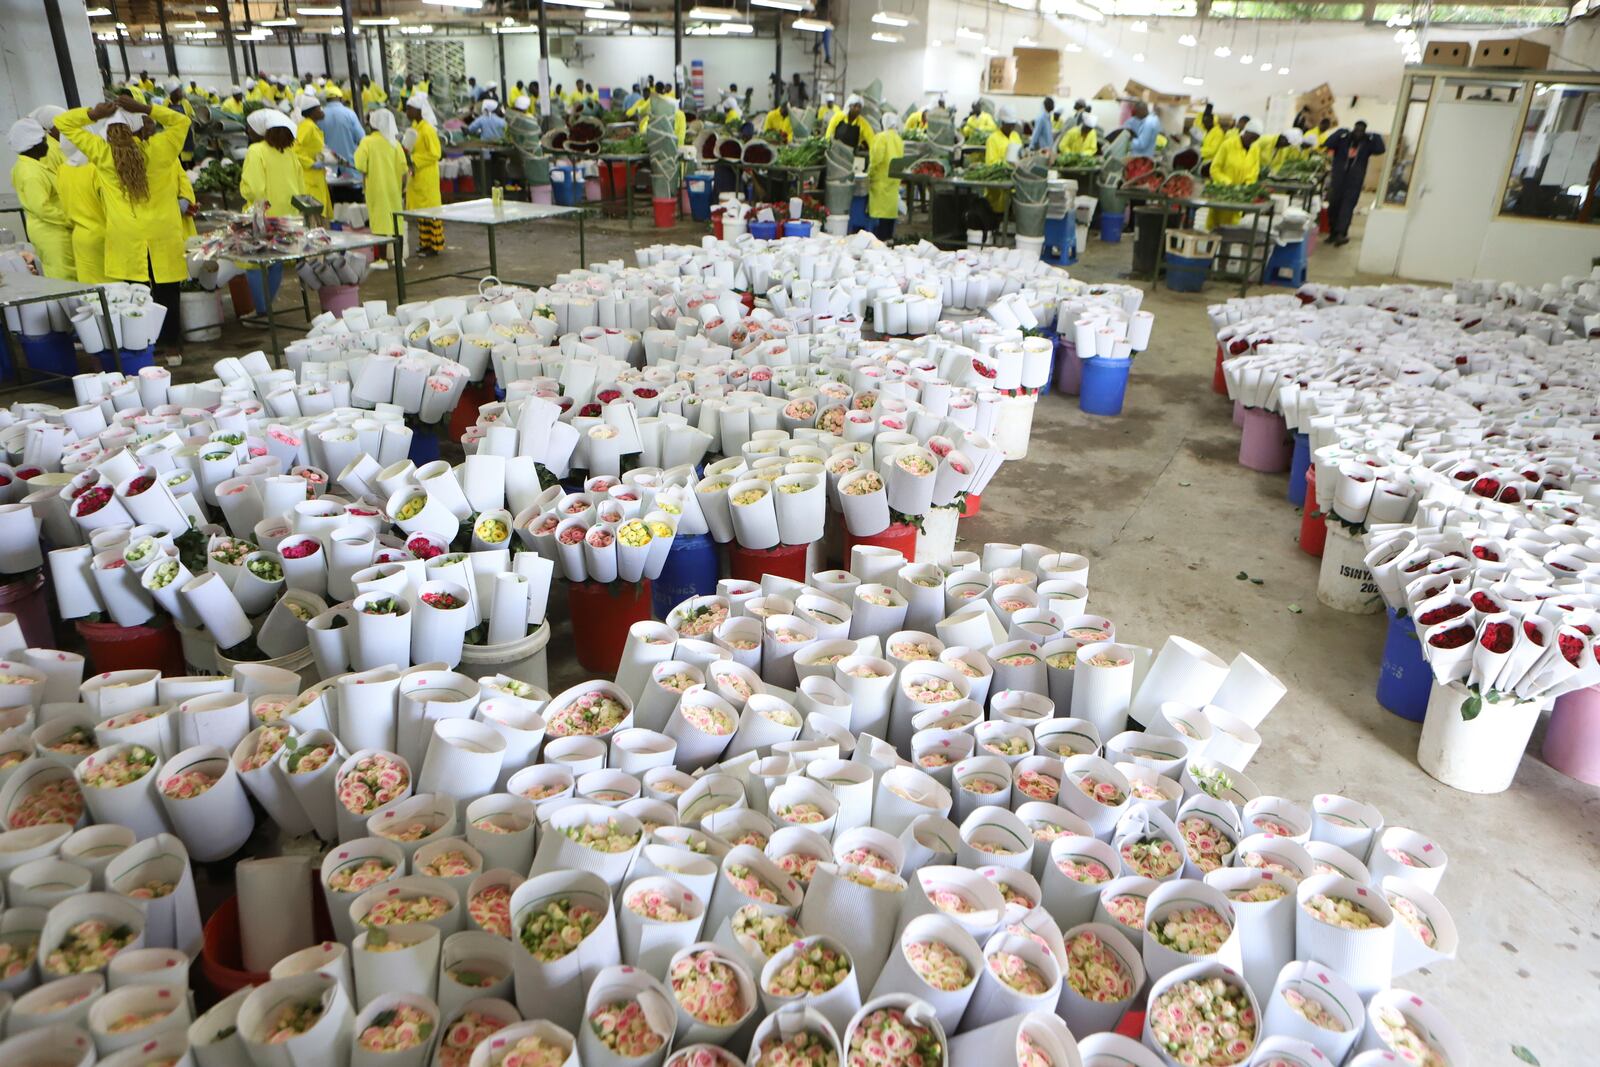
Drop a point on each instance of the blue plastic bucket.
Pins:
(260, 296)
(764, 231)
(1404, 680)
(858, 214)
(1111, 225)
(698, 187)
(691, 570)
(1297, 469)
(797, 228)
(424, 445)
(1187, 274)
(566, 186)
(51, 352)
(133, 361)
(1104, 382)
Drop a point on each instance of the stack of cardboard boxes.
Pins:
(1510, 53)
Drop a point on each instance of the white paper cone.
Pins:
(326, 1042)
(560, 985)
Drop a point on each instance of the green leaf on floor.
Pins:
(1185, 485)
(1241, 576)
(1294, 609)
(1524, 1055)
(1258, 581)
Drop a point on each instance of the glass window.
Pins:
(1556, 169)
(1403, 153)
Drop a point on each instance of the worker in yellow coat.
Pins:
(777, 121)
(382, 163)
(49, 227)
(137, 171)
(827, 110)
(272, 175)
(1084, 137)
(1003, 146)
(917, 120)
(308, 146)
(978, 120)
(422, 190)
(78, 185)
(883, 192)
(1238, 162)
(852, 116)
(372, 94)
(45, 115)
(233, 103)
(680, 122)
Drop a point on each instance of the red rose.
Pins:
(1443, 614)
(1452, 638)
(1571, 648)
(1533, 633)
(1489, 555)
(1485, 603)
(1497, 637)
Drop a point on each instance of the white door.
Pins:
(1457, 190)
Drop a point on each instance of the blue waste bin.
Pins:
(858, 214)
(133, 360)
(700, 196)
(424, 445)
(1105, 381)
(797, 228)
(566, 186)
(261, 296)
(764, 231)
(1404, 680)
(52, 352)
(691, 570)
(1297, 469)
(1111, 224)
(1187, 274)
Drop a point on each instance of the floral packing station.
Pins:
(904, 814)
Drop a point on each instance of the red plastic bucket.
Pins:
(29, 602)
(716, 223)
(132, 648)
(973, 506)
(239, 290)
(667, 212)
(1313, 526)
(221, 958)
(466, 409)
(901, 537)
(1219, 384)
(447, 188)
(601, 614)
(749, 564)
(617, 175)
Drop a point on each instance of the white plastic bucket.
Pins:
(199, 649)
(937, 538)
(1346, 583)
(1013, 425)
(300, 662)
(1479, 755)
(523, 660)
(200, 315)
(835, 225)
(1030, 247)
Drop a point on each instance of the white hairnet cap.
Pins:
(491, 106)
(852, 100)
(522, 103)
(234, 90)
(249, 83)
(1006, 114)
(1090, 121)
(828, 97)
(174, 85)
(1253, 126)
(264, 119)
(891, 121)
(46, 114)
(306, 102)
(25, 134)
(1308, 137)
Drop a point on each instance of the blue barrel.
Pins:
(260, 296)
(858, 214)
(1104, 382)
(424, 445)
(699, 187)
(691, 569)
(1404, 680)
(133, 360)
(1297, 469)
(51, 352)
(1111, 224)
(566, 186)
(1187, 274)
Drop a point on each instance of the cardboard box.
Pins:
(1135, 90)
(1002, 75)
(1447, 54)
(1038, 71)
(1514, 52)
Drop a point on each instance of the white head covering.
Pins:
(321, 80)
(1308, 138)
(1253, 126)
(46, 114)
(827, 98)
(234, 90)
(522, 103)
(851, 101)
(1006, 115)
(421, 102)
(173, 85)
(303, 103)
(494, 85)
(119, 117)
(249, 83)
(283, 106)
(263, 119)
(1089, 121)
(25, 134)
(381, 119)
(490, 106)
(891, 121)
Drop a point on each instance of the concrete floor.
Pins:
(1157, 501)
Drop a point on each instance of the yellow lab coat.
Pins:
(883, 192)
(149, 235)
(79, 189)
(308, 147)
(861, 123)
(778, 122)
(423, 189)
(916, 120)
(981, 121)
(273, 178)
(382, 164)
(186, 192)
(995, 150)
(1211, 143)
(1079, 139)
(1234, 165)
(49, 228)
(373, 96)
(233, 107)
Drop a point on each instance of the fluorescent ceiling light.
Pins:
(152, 35)
(1283, 70)
(325, 12)
(609, 15)
(1187, 40)
(890, 18)
(1222, 51)
(421, 28)
(516, 29)
(1074, 46)
(1190, 79)
(811, 25)
(738, 27)
(1265, 67)
(576, 3)
(196, 25)
(989, 50)
(888, 38)
(713, 14)
(201, 35)
(390, 21)
(936, 43)
(967, 33)
(1246, 59)
(473, 4)
(276, 22)
(98, 12)
(783, 5)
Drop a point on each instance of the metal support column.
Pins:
(227, 36)
(677, 45)
(778, 89)
(349, 46)
(252, 67)
(383, 51)
(327, 54)
(166, 37)
(122, 45)
(544, 63)
(294, 56)
(58, 37)
(504, 94)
